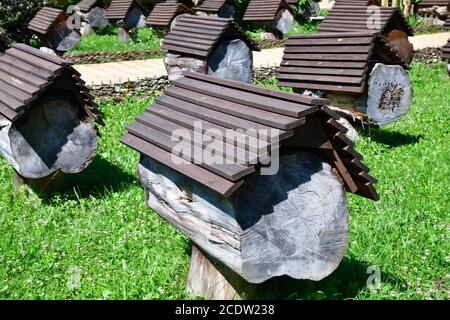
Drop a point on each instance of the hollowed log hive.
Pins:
(164, 15)
(51, 28)
(361, 72)
(219, 8)
(275, 16)
(210, 45)
(47, 116)
(249, 225)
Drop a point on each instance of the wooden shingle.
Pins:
(45, 19)
(265, 10)
(447, 23)
(349, 18)
(198, 36)
(87, 5)
(223, 104)
(27, 73)
(432, 3)
(119, 9)
(332, 61)
(211, 6)
(164, 13)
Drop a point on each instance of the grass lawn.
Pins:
(100, 241)
(107, 40)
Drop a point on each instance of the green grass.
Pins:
(107, 40)
(100, 241)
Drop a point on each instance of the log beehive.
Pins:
(163, 15)
(219, 8)
(47, 115)
(258, 224)
(275, 16)
(50, 26)
(210, 45)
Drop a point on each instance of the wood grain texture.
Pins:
(299, 227)
(53, 135)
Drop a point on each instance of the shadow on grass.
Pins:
(392, 138)
(99, 177)
(346, 282)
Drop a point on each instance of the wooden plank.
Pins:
(235, 109)
(231, 172)
(203, 176)
(259, 147)
(297, 98)
(250, 99)
(223, 119)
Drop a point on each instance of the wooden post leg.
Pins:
(210, 279)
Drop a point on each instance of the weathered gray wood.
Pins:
(210, 279)
(175, 64)
(390, 94)
(134, 19)
(86, 29)
(97, 18)
(293, 223)
(69, 42)
(232, 60)
(283, 21)
(49, 137)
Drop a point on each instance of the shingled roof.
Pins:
(87, 5)
(118, 9)
(348, 18)
(45, 19)
(198, 36)
(163, 13)
(332, 61)
(446, 50)
(264, 10)
(297, 120)
(27, 73)
(211, 6)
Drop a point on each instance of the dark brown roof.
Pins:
(348, 18)
(446, 50)
(87, 5)
(198, 36)
(44, 20)
(432, 3)
(27, 73)
(332, 61)
(264, 10)
(296, 120)
(118, 9)
(210, 6)
(163, 13)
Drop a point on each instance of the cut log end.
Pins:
(293, 223)
(390, 94)
(54, 135)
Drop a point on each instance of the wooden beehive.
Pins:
(211, 45)
(447, 23)
(47, 116)
(243, 217)
(219, 8)
(362, 73)
(128, 14)
(87, 5)
(275, 16)
(50, 26)
(164, 15)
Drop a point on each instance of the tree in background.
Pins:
(16, 14)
